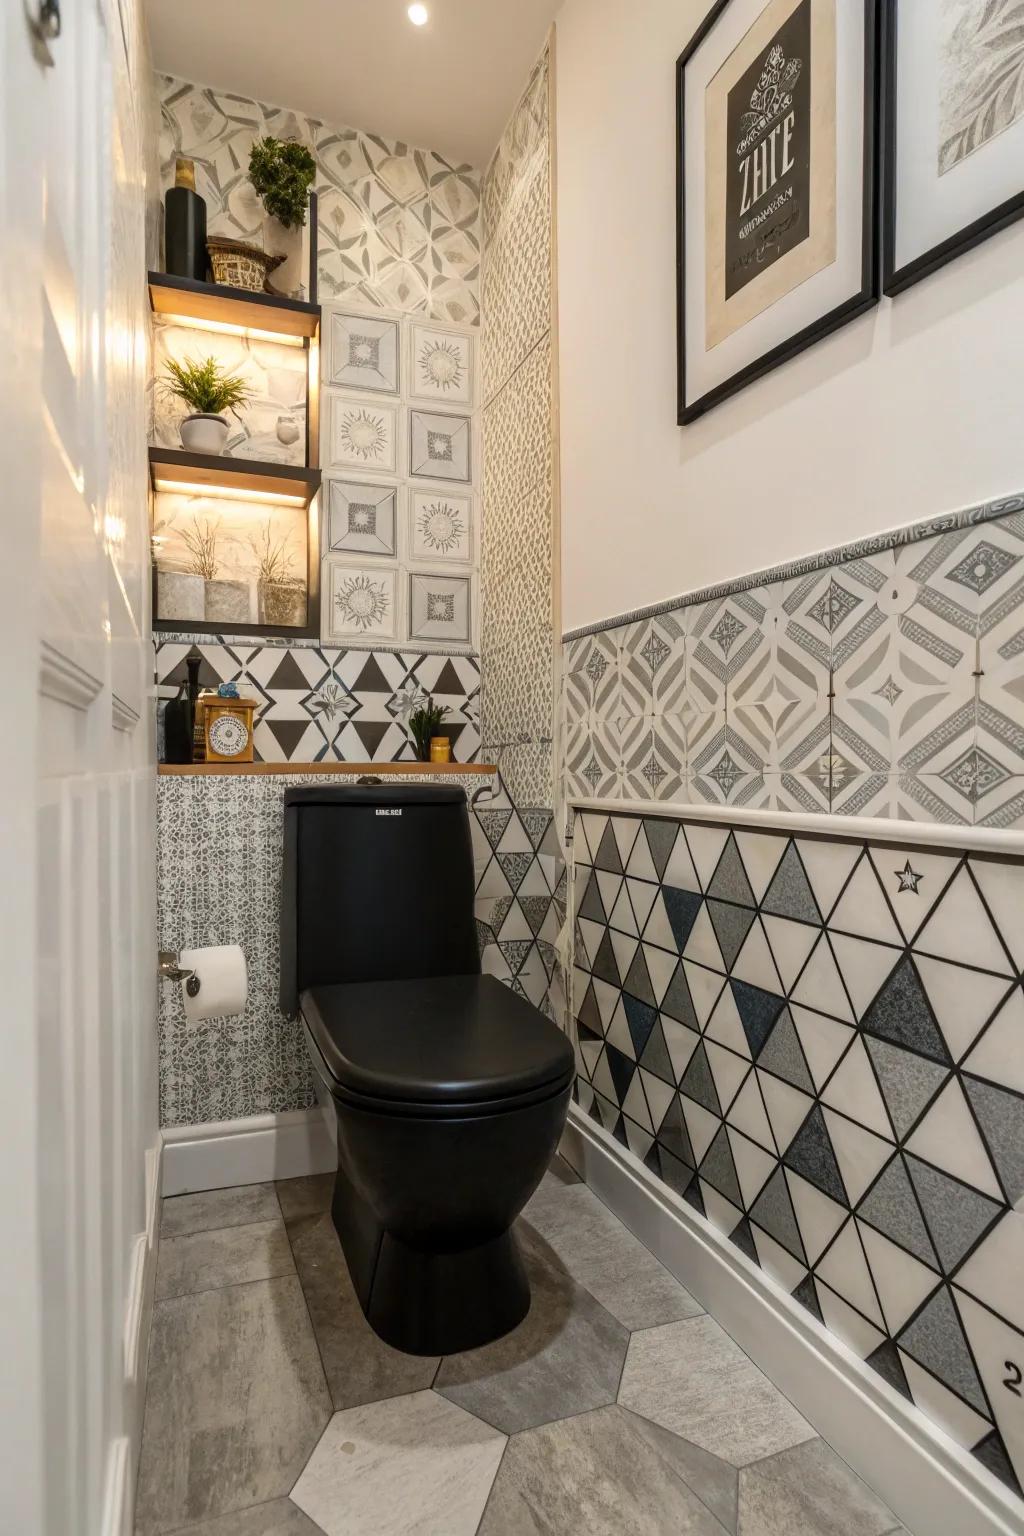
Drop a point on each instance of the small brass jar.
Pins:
(440, 749)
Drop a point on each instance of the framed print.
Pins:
(440, 364)
(361, 434)
(360, 602)
(954, 130)
(440, 609)
(777, 107)
(362, 517)
(363, 352)
(440, 526)
(440, 445)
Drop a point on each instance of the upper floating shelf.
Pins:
(214, 305)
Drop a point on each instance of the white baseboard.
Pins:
(933, 1485)
(251, 1151)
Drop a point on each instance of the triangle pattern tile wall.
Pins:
(830, 1070)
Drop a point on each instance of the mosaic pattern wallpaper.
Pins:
(517, 637)
(885, 684)
(219, 870)
(321, 705)
(399, 227)
(818, 1042)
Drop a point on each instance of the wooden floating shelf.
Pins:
(174, 469)
(376, 770)
(213, 304)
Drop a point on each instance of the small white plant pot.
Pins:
(203, 433)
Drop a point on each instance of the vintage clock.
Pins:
(227, 728)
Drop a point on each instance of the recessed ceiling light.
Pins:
(418, 15)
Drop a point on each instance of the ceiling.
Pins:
(449, 86)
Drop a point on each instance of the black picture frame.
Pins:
(898, 279)
(869, 291)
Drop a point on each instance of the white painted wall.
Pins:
(914, 410)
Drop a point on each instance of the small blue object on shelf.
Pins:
(228, 691)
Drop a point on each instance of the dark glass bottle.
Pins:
(185, 226)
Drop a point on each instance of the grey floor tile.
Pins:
(564, 1358)
(691, 1378)
(593, 1475)
(360, 1367)
(305, 1197)
(810, 1491)
(218, 1208)
(236, 1401)
(200, 1261)
(278, 1518)
(608, 1260)
(412, 1466)
(715, 1482)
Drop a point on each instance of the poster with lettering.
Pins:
(768, 155)
(771, 163)
(777, 113)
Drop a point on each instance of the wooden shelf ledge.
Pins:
(174, 469)
(237, 308)
(346, 770)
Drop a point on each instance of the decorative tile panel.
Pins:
(323, 705)
(516, 577)
(816, 1042)
(887, 684)
(398, 227)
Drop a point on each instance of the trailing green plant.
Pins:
(205, 386)
(282, 173)
(424, 723)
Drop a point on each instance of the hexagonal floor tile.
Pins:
(691, 1378)
(564, 1358)
(410, 1466)
(809, 1489)
(598, 1474)
(236, 1400)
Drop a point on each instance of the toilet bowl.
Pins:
(449, 1091)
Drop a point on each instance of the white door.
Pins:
(77, 1075)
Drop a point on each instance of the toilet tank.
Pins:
(377, 884)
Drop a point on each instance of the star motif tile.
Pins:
(909, 879)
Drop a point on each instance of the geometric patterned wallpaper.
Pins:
(219, 879)
(818, 1042)
(322, 705)
(887, 683)
(398, 227)
(517, 636)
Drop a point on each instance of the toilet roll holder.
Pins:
(170, 970)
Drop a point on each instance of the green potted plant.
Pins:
(282, 172)
(424, 723)
(209, 390)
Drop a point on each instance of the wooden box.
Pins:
(227, 728)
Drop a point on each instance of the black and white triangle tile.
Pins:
(321, 705)
(819, 1044)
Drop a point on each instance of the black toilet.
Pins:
(450, 1091)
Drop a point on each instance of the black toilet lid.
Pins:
(443, 1040)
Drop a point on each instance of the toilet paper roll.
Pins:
(223, 983)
